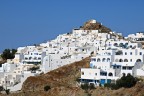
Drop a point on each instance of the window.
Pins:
(93, 59)
(120, 60)
(118, 67)
(124, 68)
(96, 74)
(35, 53)
(138, 60)
(129, 68)
(125, 60)
(103, 73)
(140, 53)
(115, 44)
(98, 60)
(82, 73)
(109, 53)
(103, 59)
(30, 58)
(35, 58)
(108, 59)
(130, 60)
(125, 53)
(110, 74)
(130, 53)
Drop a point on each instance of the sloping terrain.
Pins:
(95, 26)
(64, 76)
(63, 83)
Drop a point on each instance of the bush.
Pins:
(46, 88)
(1, 88)
(91, 86)
(7, 91)
(111, 85)
(125, 81)
(87, 87)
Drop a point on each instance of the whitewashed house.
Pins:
(138, 37)
(109, 65)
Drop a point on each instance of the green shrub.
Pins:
(46, 88)
(111, 85)
(125, 81)
(1, 88)
(7, 91)
(85, 86)
(91, 86)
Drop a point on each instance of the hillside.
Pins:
(95, 26)
(63, 83)
(64, 76)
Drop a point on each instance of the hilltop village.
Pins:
(112, 55)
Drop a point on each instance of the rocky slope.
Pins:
(95, 26)
(63, 83)
(62, 77)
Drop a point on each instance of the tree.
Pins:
(8, 54)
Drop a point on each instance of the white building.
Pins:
(138, 37)
(109, 65)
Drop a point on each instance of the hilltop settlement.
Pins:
(111, 56)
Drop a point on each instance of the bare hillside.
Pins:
(63, 83)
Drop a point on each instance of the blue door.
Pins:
(102, 81)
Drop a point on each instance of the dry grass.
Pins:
(63, 83)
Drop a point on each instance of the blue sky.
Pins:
(28, 22)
